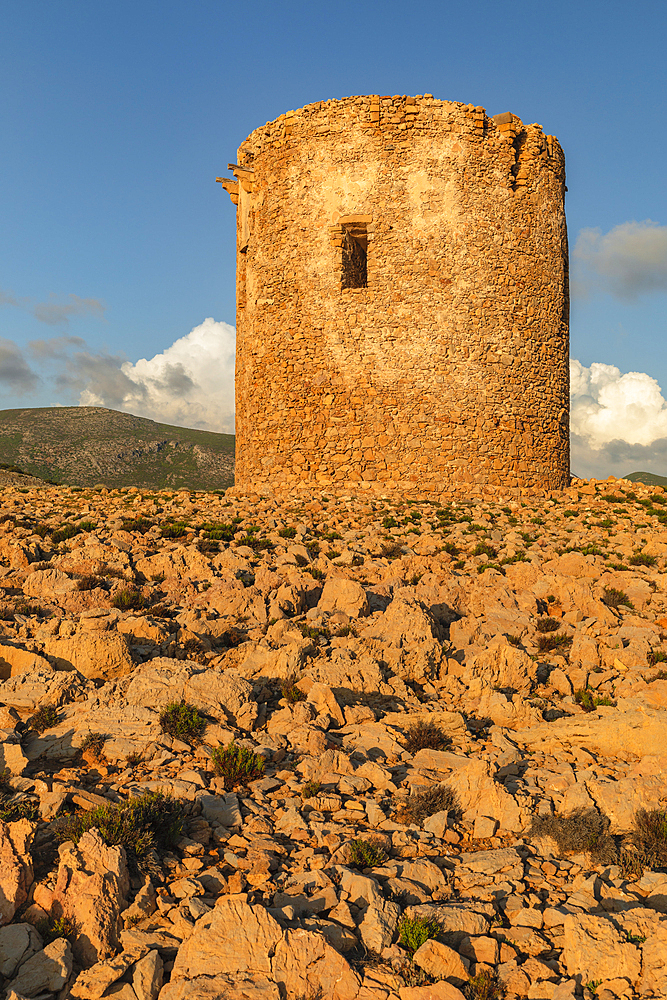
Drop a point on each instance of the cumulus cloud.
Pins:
(55, 312)
(16, 375)
(190, 384)
(628, 260)
(618, 422)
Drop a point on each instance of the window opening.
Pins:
(355, 256)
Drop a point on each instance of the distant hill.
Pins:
(90, 445)
(648, 478)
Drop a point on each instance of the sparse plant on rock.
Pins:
(89, 582)
(547, 643)
(641, 559)
(367, 853)
(60, 927)
(413, 932)
(421, 805)
(182, 721)
(236, 765)
(426, 736)
(93, 744)
(143, 826)
(310, 789)
(128, 599)
(291, 692)
(173, 530)
(44, 718)
(580, 831)
(590, 701)
(484, 986)
(614, 598)
(649, 836)
(546, 625)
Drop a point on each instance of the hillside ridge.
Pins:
(91, 445)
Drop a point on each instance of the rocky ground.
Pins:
(451, 717)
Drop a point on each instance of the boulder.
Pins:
(45, 972)
(341, 594)
(91, 888)
(16, 872)
(18, 943)
(96, 655)
(594, 948)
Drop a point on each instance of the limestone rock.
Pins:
(595, 949)
(341, 594)
(16, 871)
(441, 962)
(45, 972)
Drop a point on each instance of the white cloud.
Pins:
(618, 422)
(190, 384)
(626, 261)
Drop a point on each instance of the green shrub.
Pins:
(614, 598)
(287, 532)
(421, 805)
(143, 826)
(589, 701)
(426, 736)
(182, 721)
(310, 789)
(44, 718)
(391, 550)
(656, 657)
(173, 530)
(128, 599)
(649, 836)
(236, 765)
(413, 932)
(15, 806)
(88, 582)
(450, 549)
(367, 853)
(546, 625)
(582, 830)
(93, 743)
(291, 692)
(484, 549)
(61, 927)
(547, 643)
(139, 524)
(639, 559)
(484, 986)
(64, 533)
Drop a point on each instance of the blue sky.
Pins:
(116, 118)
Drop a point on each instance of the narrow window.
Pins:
(355, 246)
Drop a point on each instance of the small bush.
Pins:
(287, 532)
(93, 744)
(421, 805)
(484, 549)
(310, 789)
(63, 534)
(236, 765)
(660, 676)
(173, 530)
(426, 736)
(389, 522)
(88, 582)
(182, 721)
(367, 853)
(44, 718)
(12, 806)
(61, 927)
(143, 826)
(546, 625)
(639, 559)
(547, 643)
(484, 986)
(614, 598)
(589, 701)
(128, 600)
(450, 549)
(207, 546)
(291, 692)
(656, 657)
(391, 550)
(139, 524)
(413, 932)
(650, 836)
(582, 830)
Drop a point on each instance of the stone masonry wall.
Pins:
(450, 365)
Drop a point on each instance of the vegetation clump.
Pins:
(614, 598)
(426, 736)
(413, 932)
(173, 530)
(236, 765)
(60, 927)
(367, 853)
(143, 826)
(129, 599)
(484, 986)
(649, 836)
(421, 805)
(44, 718)
(546, 625)
(15, 806)
(583, 830)
(589, 701)
(547, 643)
(640, 559)
(182, 721)
(291, 692)
(93, 744)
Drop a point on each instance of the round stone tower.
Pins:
(402, 298)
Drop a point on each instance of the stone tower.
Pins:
(402, 298)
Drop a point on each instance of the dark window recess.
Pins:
(355, 245)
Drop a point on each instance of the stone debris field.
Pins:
(333, 746)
